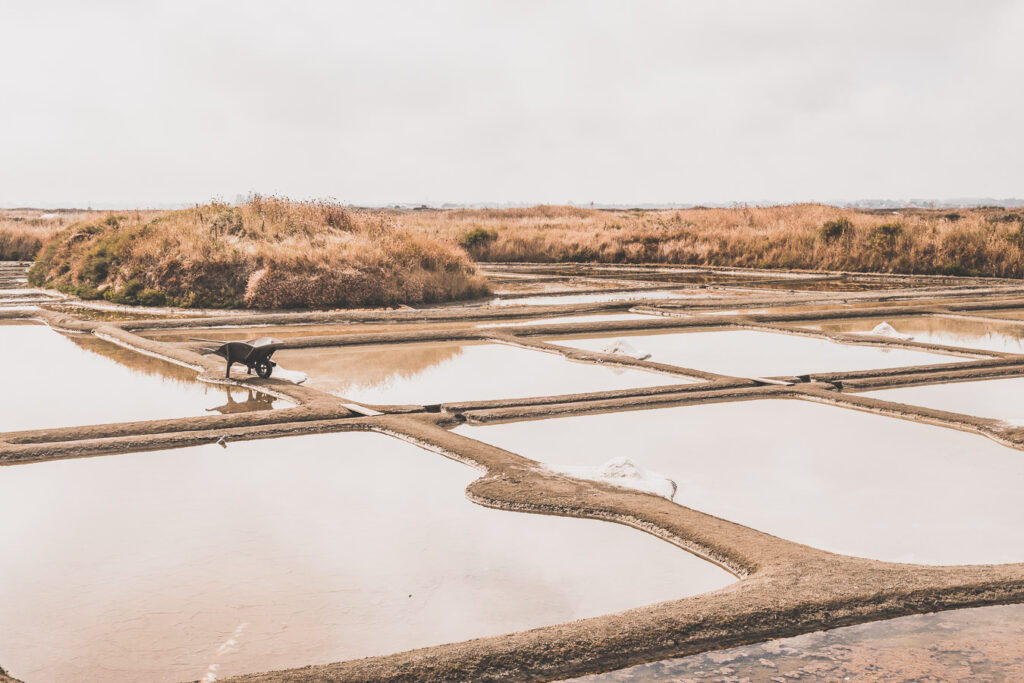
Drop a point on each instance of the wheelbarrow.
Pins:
(253, 354)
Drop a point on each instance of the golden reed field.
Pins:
(986, 242)
(277, 253)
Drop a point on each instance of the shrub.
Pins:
(18, 245)
(477, 238)
(958, 269)
(885, 237)
(835, 229)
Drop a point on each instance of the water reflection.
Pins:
(836, 479)
(827, 286)
(987, 335)
(640, 275)
(746, 353)
(981, 644)
(641, 295)
(252, 401)
(998, 399)
(292, 331)
(561, 319)
(280, 553)
(426, 373)
(56, 380)
(525, 286)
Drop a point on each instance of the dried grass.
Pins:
(268, 253)
(275, 253)
(986, 242)
(23, 232)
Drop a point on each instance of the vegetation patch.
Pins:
(983, 241)
(23, 232)
(836, 229)
(268, 253)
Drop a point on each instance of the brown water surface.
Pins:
(631, 295)
(825, 286)
(56, 380)
(437, 372)
(747, 353)
(977, 334)
(292, 331)
(1010, 313)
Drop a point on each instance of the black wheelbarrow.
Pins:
(253, 354)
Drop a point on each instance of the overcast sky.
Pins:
(140, 103)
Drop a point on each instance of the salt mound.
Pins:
(884, 329)
(621, 471)
(621, 347)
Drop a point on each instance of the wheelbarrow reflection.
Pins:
(256, 400)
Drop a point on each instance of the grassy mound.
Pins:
(269, 253)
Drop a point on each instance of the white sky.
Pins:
(140, 103)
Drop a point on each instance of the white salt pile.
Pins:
(621, 471)
(884, 329)
(621, 347)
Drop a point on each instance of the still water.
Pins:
(172, 565)
(829, 477)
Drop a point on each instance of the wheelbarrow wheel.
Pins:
(264, 368)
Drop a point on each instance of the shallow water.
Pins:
(837, 306)
(117, 314)
(994, 398)
(815, 308)
(281, 553)
(634, 295)
(292, 331)
(836, 479)
(827, 286)
(53, 380)
(1009, 313)
(976, 334)
(548, 285)
(981, 644)
(682, 275)
(437, 372)
(746, 353)
(562, 319)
